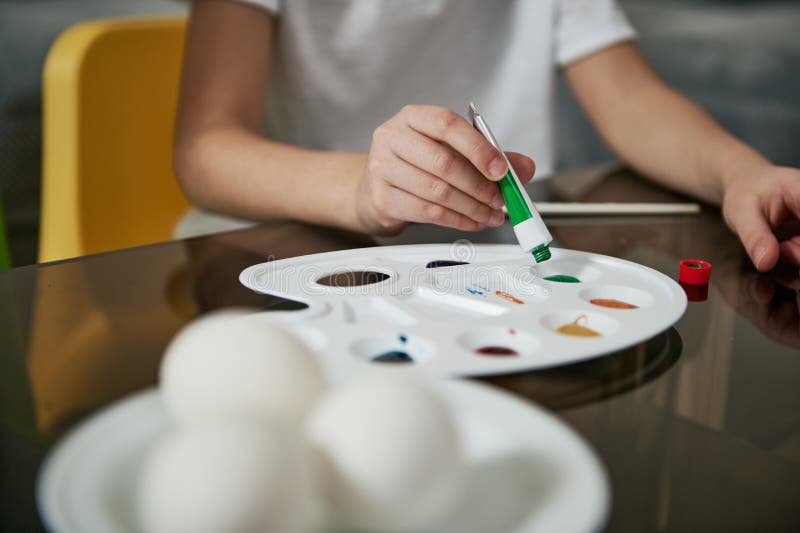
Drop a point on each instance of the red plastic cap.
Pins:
(694, 272)
(695, 293)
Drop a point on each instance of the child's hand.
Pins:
(762, 208)
(428, 164)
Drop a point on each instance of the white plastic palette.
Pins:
(383, 301)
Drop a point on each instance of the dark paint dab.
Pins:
(563, 278)
(394, 356)
(499, 351)
(444, 263)
(352, 278)
(403, 338)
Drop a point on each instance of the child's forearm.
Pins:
(237, 172)
(670, 139)
(222, 162)
(657, 131)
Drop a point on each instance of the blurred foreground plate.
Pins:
(528, 471)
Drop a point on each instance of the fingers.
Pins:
(442, 161)
(428, 164)
(401, 205)
(437, 191)
(523, 165)
(761, 289)
(789, 190)
(790, 193)
(449, 127)
(749, 222)
(760, 210)
(769, 309)
(790, 251)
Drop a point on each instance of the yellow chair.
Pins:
(5, 255)
(110, 92)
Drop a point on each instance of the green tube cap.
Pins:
(541, 253)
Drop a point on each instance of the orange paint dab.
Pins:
(612, 303)
(510, 298)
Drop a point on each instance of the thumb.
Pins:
(523, 166)
(749, 222)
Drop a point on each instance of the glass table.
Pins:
(699, 427)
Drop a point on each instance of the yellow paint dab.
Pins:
(576, 329)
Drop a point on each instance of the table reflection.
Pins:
(599, 378)
(100, 324)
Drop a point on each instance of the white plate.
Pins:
(445, 314)
(530, 473)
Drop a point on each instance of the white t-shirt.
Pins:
(340, 68)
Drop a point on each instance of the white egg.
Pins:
(225, 365)
(388, 454)
(226, 477)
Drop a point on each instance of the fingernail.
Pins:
(498, 168)
(498, 218)
(759, 254)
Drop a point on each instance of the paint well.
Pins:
(428, 299)
(352, 278)
(612, 303)
(578, 329)
(567, 271)
(618, 297)
(440, 263)
(389, 348)
(499, 341)
(562, 278)
(496, 351)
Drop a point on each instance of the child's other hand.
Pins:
(762, 208)
(428, 164)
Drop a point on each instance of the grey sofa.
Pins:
(740, 59)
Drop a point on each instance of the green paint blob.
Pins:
(563, 278)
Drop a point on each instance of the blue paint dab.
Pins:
(394, 356)
(475, 292)
(403, 338)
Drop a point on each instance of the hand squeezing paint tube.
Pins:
(532, 234)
